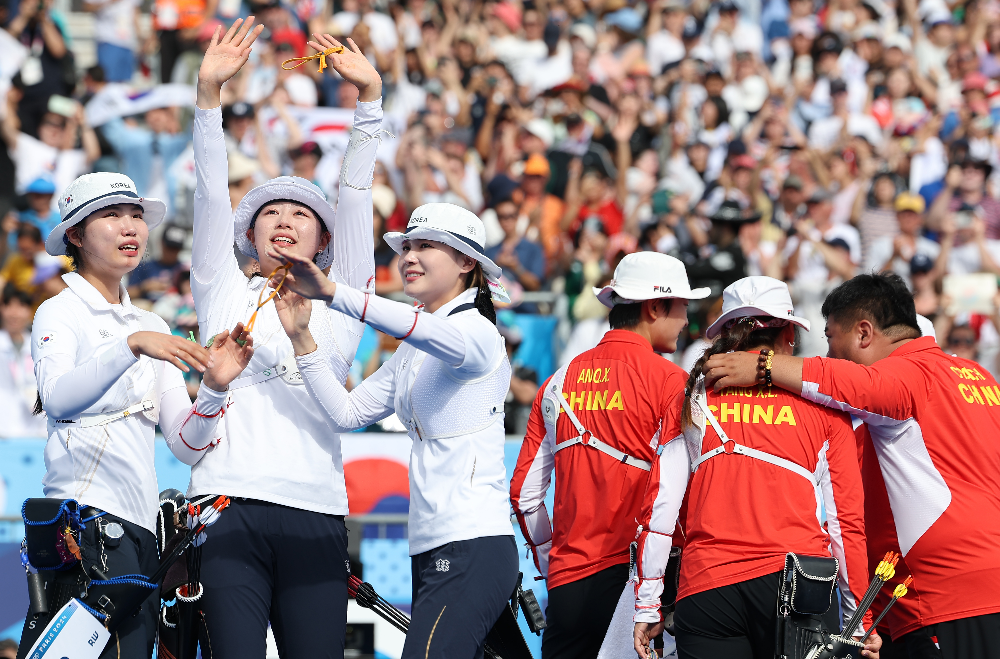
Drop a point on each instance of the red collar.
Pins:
(916, 345)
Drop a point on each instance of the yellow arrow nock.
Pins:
(299, 61)
(901, 588)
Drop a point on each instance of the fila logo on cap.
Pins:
(661, 289)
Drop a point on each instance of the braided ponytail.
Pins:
(484, 299)
(739, 336)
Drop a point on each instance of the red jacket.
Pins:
(620, 391)
(936, 493)
(743, 514)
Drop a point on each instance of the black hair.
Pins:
(96, 73)
(883, 299)
(12, 292)
(484, 299)
(742, 335)
(30, 231)
(74, 253)
(627, 316)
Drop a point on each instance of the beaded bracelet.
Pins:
(764, 363)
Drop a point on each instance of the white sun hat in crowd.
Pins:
(648, 276)
(756, 296)
(283, 188)
(456, 227)
(92, 192)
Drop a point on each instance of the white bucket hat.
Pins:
(457, 228)
(648, 276)
(284, 188)
(92, 192)
(756, 296)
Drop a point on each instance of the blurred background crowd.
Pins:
(803, 140)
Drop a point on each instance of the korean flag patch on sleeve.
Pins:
(46, 340)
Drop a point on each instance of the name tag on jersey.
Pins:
(73, 633)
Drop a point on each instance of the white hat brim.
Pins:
(273, 191)
(607, 295)
(740, 312)
(153, 212)
(394, 239)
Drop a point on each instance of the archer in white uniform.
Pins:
(447, 383)
(281, 551)
(107, 374)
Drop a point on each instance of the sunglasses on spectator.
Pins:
(507, 216)
(54, 124)
(959, 341)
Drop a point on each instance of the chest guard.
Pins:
(444, 406)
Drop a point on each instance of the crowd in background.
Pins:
(791, 138)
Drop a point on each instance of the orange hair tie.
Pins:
(299, 61)
(260, 301)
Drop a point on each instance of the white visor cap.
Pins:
(648, 276)
(283, 188)
(756, 296)
(456, 227)
(92, 192)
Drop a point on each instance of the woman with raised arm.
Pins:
(107, 374)
(280, 551)
(447, 383)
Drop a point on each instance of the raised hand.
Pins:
(223, 59)
(169, 348)
(228, 358)
(303, 278)
(352, 65)
(294, 312)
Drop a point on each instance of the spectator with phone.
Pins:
(965, 186)
(48, 68)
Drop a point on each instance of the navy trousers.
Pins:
(263, 561)
(459, 591)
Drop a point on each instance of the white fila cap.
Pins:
(92, 192)
(755, 296)
(648, 276)
(457, 228)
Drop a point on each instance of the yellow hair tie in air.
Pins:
(299, 61)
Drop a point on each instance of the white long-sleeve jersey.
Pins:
(278, 444)
(84, 367)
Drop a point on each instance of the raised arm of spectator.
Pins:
(979, 236)
(10, 127)
(88, 138)
(484, 139)
(264, 157)
(939, 209)
(573, 199)
(947, 238)
(622, 132)
(51, 35)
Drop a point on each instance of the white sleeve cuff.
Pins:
(209, 401)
